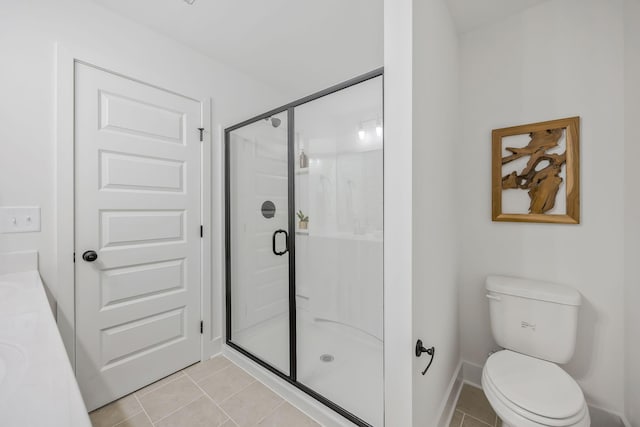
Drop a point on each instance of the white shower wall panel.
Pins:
(339, 262)
(342, 278)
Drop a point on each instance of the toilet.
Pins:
(535, 322)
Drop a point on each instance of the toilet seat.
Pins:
(531, 392)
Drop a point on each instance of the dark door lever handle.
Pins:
(431, 351)
(286, 242)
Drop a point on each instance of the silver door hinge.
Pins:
(201, 134)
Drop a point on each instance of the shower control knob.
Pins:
(90, 256)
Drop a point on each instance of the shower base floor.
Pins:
(352, 380)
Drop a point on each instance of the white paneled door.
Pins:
(137, 233)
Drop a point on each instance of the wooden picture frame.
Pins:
(541, 177)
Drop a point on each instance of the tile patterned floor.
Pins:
(215, 393)
(474, 410)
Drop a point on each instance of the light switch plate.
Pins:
(19, 219)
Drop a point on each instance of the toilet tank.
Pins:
(536, 318)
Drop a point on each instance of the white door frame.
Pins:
(66, 59)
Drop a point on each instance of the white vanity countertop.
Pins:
(37, 385)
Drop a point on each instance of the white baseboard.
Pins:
(603, 418)
(448, 404)
(472, 374)
(215, 346)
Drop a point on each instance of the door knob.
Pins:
(90, 256)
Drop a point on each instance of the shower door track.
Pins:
(289, 108)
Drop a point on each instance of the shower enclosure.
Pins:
(304, 245)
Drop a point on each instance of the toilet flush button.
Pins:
(19, 219)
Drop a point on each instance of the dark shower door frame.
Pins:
(291, 378)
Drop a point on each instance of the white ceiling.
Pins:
(295, 46)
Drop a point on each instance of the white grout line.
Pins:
(212, 401)
(243, 388)
(178, 375)
(116, 401)
(205, 394)
(143, 410)
(270, 413)
(284, 400)
(163, 386)
(137, 393)
(206, 377)
(182, 374)
(276, 393)
(127, 419)
(478, 420)
(173, 412)
(239, 391)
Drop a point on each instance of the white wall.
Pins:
(632, 210)
(421, 102)
(398, 337)
(559, 59)
(435, 133)
(28, 32)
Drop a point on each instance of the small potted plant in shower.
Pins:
(303, 220)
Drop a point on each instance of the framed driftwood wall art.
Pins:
(536, 172)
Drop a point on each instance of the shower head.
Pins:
(275, 122)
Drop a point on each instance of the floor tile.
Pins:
(472, 401)
(250, 405)
(201, 413)
(166, 399)
(178, 400)
(287, 415)
(115, 412)
(158, 384)
(456, 420)
(140, 420)
(469, 421)
(201, 370)
(226, 382)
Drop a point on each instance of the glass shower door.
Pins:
(339, 248)
(258, 230)
(304, 245)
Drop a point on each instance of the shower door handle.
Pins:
(286, 242)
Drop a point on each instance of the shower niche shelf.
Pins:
(301, 232)
(302, 171)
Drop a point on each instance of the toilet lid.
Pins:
(535, 385)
